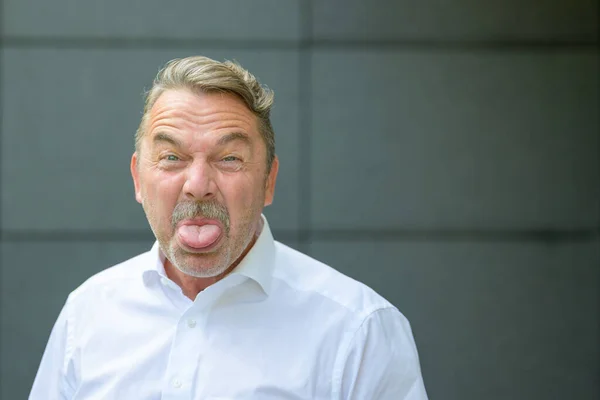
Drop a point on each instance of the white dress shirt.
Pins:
(280, 326)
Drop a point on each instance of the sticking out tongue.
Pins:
(199, 237)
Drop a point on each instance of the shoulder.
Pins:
(113, 277)
(303, 273)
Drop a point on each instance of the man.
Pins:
(217, 309)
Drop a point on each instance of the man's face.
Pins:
(200, 175)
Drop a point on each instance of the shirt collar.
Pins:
(257, 265)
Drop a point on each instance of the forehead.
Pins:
(182, 109)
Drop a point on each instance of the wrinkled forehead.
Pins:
(202, 108)
(183, 117)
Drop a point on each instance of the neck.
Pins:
(191, 285)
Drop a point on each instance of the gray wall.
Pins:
(445, 153)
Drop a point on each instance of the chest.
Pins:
(247, 351)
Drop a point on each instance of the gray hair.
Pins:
(202, 74)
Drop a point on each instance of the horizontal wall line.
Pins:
(76, 236)
(455, 44)
(476, 235)
(144, 43)
(469, 235)
(84, 43)
(96, 236)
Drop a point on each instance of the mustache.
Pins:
(205, 209)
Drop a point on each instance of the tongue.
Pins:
(199, 237)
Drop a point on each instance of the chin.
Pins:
(200, 265)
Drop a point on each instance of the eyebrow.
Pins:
(230, 137)
(163, 137)
(223, 140)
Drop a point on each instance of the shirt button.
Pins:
(177, 383)
(191, 323)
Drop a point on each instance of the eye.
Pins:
(169, 161)
(231, 163)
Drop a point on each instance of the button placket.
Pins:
(188, 345)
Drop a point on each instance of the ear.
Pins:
(270, 184)
(136, 177)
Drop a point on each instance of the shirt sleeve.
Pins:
(382, 362)
(52, 380)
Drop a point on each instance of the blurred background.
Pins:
(444, 153)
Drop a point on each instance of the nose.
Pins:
(199, 184)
